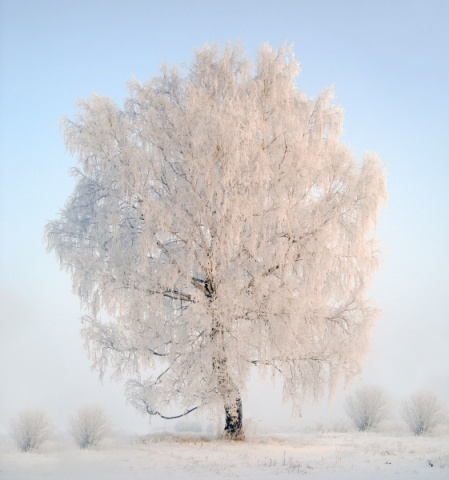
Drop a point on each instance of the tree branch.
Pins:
(204, 285)
(165, 417)
(267, 363)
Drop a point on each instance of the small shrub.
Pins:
(30, 429)
(88, 426)
(367, 407)
(423, 412)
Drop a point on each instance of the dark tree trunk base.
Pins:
(234, 420)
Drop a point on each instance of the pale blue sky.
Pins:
(388, 62)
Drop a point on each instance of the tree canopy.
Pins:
(219, 224)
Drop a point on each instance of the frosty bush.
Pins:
(30, 429)
(367, 407)
(423, 412)
(88, 426)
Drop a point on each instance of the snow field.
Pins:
(320, 456)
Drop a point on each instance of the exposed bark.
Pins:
(234, 419)
(227, 388)
(231, 400)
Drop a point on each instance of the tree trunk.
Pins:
(226, 386)
(234, 419)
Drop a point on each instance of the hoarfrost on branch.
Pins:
(219, 224)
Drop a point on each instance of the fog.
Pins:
(388, 64)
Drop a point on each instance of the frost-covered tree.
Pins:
(367, 407)
(30, 429)
(219, 223)
(423, 412)
(89, 426)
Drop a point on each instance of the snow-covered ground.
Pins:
(349, 455)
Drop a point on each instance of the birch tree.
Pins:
(219, 224)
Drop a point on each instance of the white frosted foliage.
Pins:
(30, 429)
(219, 224)
(88, 426)
(367, 407)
